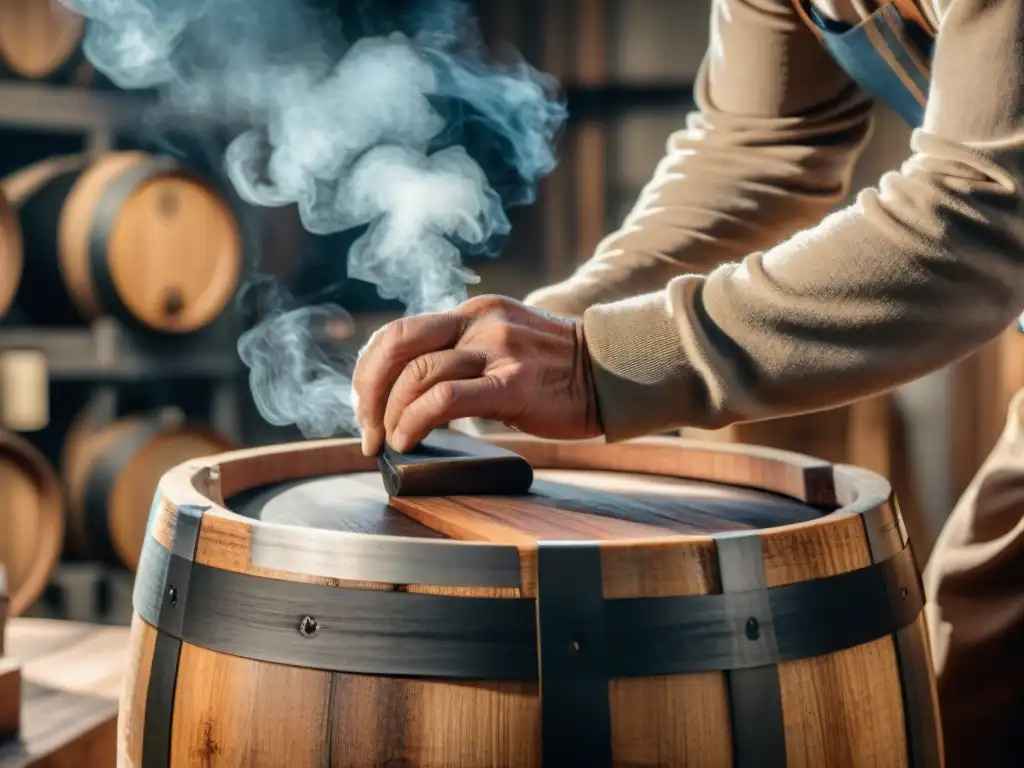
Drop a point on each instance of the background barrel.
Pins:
(132, 235)
(10, 254)
(111, 473)
(31, 520)
(41, 40)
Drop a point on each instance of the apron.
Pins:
(888, 54)
(972, 585)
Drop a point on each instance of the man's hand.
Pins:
(491, 357)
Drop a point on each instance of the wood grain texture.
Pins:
(131, 716)
(5, 608)
(73, 674)
(10, 698)
(31, 520)
(651, 505)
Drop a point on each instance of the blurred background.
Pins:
(111, 374)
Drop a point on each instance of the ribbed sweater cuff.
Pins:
(644, 384)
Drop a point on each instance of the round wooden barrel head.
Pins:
(175, 253)
(38, 36)
(562, 505)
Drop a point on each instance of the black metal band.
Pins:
(105, 215)
(99, 482)
(356, 630)
(702, 633)
(755, 697)
(43, 293)
(919, 704)
(173, 575)
(481, 638)
(571, 627)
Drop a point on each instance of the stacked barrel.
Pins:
(131, 236)
(41, 40)
(93, 241)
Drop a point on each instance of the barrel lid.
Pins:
(175, 253)
(561, 505)
(37, 38)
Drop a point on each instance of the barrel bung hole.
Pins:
(168, 203)
(174, 302)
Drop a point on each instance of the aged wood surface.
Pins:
(72, 679)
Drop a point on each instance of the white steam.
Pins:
(360, 132)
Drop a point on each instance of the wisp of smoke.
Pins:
(360, 132)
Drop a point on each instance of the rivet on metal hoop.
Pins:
(309, 626)
(753, 629)
(172, 595)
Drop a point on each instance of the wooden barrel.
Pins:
(10, 254)
(40, 40)
(132, 235)
(654, 603)
(111, 472)
(31, 520)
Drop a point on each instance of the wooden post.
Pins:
(555, 191)
(983, 386)
(591, 140)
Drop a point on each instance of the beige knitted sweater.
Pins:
(726, 296)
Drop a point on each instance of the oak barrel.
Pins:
(111, 473)
(10, 254)
(130, 234)
(40, 40)
(31, 520)
(653, 603)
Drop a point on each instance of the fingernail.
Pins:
(370, 440)
(398, 441)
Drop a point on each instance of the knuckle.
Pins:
(420, 368)
(502, 335)
(517, 377)
(444, 395)
(497, 383)
(396, 333)
(485, 304)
